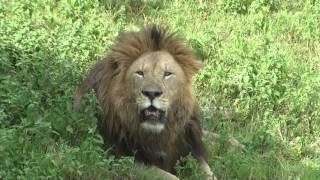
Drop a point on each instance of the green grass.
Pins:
(261, 84)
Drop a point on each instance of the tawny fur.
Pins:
(119, 123)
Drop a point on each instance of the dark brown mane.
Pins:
(156, 35)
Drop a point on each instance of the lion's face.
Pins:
(155, 78)
(144, 83)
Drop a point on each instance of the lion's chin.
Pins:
(152, 119)
(152, 127)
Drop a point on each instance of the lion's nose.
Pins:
(152, 94)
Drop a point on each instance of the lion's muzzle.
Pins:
(152, 115)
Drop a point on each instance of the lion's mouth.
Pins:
(152, 114)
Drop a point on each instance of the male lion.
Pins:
(149, 110)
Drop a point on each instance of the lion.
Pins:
(149, 110)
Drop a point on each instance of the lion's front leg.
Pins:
(194, 134)
(206, 169)
(166, 175)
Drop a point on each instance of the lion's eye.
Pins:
(166, 74)
(140, 73)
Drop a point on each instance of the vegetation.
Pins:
(261, 84)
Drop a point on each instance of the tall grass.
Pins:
(261, 84)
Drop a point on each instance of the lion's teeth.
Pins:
(153, 113)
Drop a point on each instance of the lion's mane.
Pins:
(119, 121)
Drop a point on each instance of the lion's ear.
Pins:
(91, 81)
(191, 65)
(197, 65)
(115, 65)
